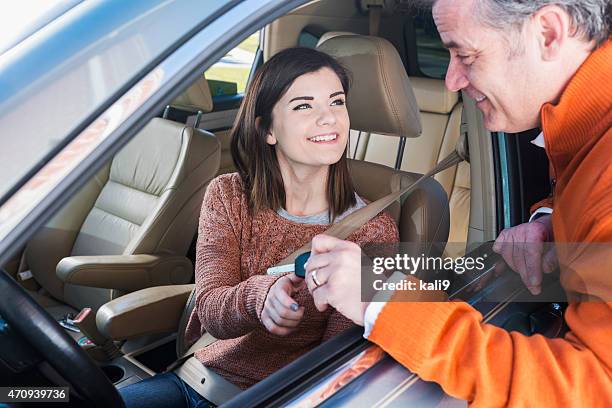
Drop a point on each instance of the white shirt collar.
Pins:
(539, 140)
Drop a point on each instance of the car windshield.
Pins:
(54, 80)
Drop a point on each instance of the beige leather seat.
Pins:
(440, 112)
(197, 98)
(382, 101)
(131, 225)
(441, 118)
(195, 101)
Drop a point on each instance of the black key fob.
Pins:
(299, 264)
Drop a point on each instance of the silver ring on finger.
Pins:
(314, 278)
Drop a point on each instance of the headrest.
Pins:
(381, 99)
(331, 34)
(433, 96)
(196, 98)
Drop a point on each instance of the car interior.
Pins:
(115, 265)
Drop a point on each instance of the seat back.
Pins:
(422, 217)
(381, 101)
(197, 98)
(441, 113)
(145, 201)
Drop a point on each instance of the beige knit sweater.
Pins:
(234, 250)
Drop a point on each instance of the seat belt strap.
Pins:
(374, 8)
(206, 382)
(351, 223)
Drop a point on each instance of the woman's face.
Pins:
(310, 123)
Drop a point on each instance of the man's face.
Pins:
(505, 84)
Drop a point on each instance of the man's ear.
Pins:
(553, 26)
(270, 139)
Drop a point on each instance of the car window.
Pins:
(308, 39)
(432, 57)
(53, 82)
(229, 76)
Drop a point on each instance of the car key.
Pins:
(297, 266)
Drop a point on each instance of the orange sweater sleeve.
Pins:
(448, 343)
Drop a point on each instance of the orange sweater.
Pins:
(448, 343)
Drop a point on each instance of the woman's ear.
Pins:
(270, 139)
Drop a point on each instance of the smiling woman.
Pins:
(294, 121)
(289, 145)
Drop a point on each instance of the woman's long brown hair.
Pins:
(255, 159)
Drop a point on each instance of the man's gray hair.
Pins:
(591, 18)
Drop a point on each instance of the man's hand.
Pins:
(281, 314)
(522, 247)
(338, 271)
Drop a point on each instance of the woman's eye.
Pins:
(338, 102)
(302, 106)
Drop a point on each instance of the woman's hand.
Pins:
(281, 314)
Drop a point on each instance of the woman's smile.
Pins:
(327, 138)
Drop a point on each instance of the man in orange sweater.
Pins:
(546, 64)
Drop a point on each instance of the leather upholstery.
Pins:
(433, 96)
(459, 203)
(441, 119)
(381, 99)
(331, 34)
(422, 217)
(125, 272)
(131, 315)
(227, 163)
(195, 98)
(145, 201)
(440, 112)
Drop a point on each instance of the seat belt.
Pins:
(214, 387)
(352, 222)
(206, 382)
(374, 8)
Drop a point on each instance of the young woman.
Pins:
(289, 145)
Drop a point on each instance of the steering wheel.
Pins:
(29, 320)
